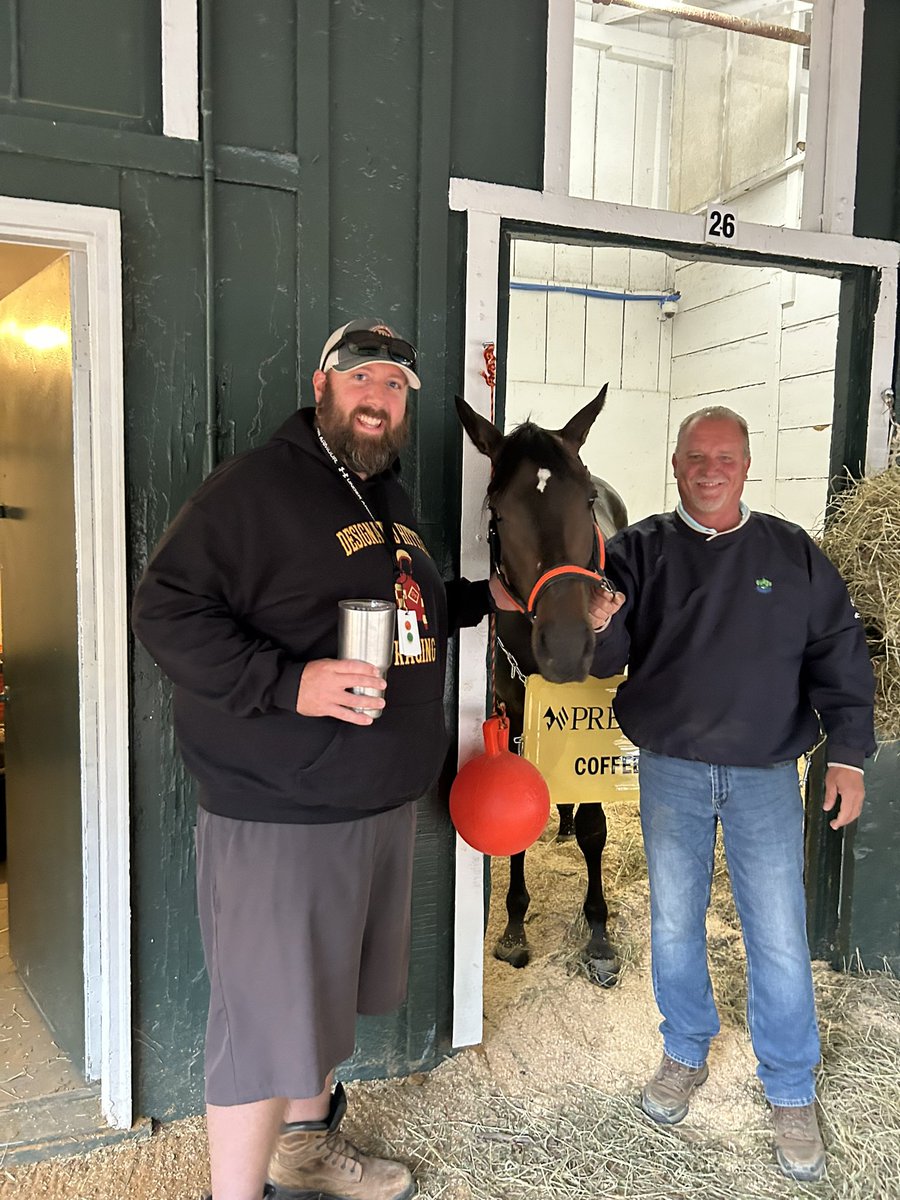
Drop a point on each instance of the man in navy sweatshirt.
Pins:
(741, 644)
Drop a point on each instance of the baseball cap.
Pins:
(369, 341)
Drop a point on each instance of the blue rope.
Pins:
(594, 293)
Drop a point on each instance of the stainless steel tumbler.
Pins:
(366, 631)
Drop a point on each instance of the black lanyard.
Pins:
(387, 527)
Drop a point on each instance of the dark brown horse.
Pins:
(545, 512)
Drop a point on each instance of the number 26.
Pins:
(721, 224)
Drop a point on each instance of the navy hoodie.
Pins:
(243, 590)
(737, 645)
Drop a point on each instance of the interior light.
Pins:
(45, 337)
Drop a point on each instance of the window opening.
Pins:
(680, 114)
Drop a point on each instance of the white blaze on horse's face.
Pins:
(543, 475)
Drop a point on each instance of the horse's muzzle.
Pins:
(563, 649)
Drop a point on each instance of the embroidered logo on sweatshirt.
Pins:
(764, 586)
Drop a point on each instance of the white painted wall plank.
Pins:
(532, 260)
(802, 501)
(664, 376)
(614, 162)
(180, 69)
(627, 446)
(640, 347)
(565, 338)
(697, 121)
(584, 121)
(572, 264)
(768, 204)
(611, 267)
(547, 404)
(527, 342)
(648, 271)
(753, 403)
(603, 342)
(651, 137)
(806, 400)
(763, 462)
(807, 349)
(703, 282)
(804, 453)
(721, 368)
(731, 319)
(814, 296)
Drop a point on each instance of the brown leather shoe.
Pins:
(798, 1143)
(314, 1161)
(666, 1096)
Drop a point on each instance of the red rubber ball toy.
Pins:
(499, 802)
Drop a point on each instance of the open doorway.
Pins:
(671, 335)
(792, 328)
(42, 963)
(66, 1051)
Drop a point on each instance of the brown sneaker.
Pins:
(666, 1096)
(314, 1161)
(798, 1143)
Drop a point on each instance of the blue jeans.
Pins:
(762, 825)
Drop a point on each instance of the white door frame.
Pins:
(92, 238)
(485, 206)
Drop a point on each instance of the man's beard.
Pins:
(362, 452)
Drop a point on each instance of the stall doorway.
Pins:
(65, 1045)
(42, 999)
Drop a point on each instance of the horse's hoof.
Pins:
(602, 971)
(565, 837)
(516, 954)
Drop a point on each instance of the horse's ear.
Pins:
(486, 436)
(579, 426)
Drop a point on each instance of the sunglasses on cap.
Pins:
(366, 343)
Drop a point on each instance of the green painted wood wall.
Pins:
(337, 126)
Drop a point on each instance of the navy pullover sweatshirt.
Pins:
(737, 645)
(243, 591)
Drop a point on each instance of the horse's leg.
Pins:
(512, 946)
(599, 954)
(566, 822)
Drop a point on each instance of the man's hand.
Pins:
(850, 786)
(323, 689)
(602, 606)
(501, 597)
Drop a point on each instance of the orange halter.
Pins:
(529, 609)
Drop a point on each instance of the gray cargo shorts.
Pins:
(303, 927)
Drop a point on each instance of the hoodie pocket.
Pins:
(396, 758)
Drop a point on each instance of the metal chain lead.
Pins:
(514, 668)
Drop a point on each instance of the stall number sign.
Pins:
(572, 737)
(721, 225)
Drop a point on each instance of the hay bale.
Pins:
(862, 539)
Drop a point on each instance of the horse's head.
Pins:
(544, 542)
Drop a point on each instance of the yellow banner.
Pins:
(572, 737)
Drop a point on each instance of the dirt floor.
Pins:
(545, 1108)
